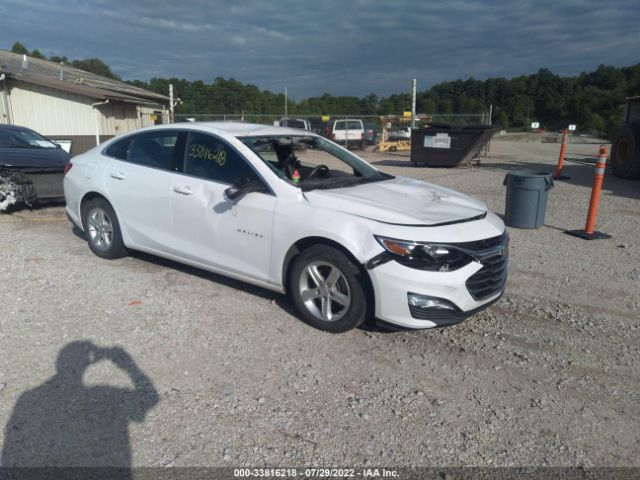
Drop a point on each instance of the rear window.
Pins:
(296, 124)
(348, 125)
(153, 149)
(293, 123)
(119, 149)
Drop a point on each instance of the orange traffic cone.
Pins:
(589, 232)
(563, 151)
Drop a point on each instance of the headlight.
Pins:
(424, 256)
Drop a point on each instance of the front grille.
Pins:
(484, 244)
(490, 279)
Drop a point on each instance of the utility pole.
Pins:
(171, 104)
(413, 103)
(285, 100)
(491, 114)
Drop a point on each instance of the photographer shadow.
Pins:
(65, 423)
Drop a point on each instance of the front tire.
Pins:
(328, 289)
(103, 230)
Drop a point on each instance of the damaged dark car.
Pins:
(31, 168)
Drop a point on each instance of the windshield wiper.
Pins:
(326, 184)
(381, 178)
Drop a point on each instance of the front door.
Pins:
(234, 236)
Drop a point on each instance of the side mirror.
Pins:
(242, 187)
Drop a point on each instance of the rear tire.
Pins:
(328, 289)
(103, 230)
(625, 152)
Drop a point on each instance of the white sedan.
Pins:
(293, 212)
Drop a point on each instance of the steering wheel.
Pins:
(322, 169)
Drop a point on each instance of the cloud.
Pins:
(330, 46)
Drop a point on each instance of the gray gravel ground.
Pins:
(547, 376)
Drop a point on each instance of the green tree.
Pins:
(36, 54)
(95, 65)
(19, 48)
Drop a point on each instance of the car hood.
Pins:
(400, 201)
(33, 157)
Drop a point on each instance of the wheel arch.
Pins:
(85, 199)
(306, 242)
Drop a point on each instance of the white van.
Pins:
(348, 132)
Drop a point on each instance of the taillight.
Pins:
(67, 167)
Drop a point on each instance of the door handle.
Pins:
(183, 190)
(117, 175)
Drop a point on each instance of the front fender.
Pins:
(295, 223)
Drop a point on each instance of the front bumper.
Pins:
(393, 281)
(31, 185)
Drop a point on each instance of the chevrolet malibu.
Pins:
(292, 212)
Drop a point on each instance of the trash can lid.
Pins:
(530, 177)
(528, 173)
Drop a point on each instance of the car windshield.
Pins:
(23, 138)
(312, 162)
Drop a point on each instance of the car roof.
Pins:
(234, 129)
(14, 127)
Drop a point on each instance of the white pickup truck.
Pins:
(348, 132)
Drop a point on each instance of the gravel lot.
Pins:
(547, 376)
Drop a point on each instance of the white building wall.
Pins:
(51, 112)
(55, 112)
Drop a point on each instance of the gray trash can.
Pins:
(527, 194)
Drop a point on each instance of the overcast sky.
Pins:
(341, 47)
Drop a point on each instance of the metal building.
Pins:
(71, 105)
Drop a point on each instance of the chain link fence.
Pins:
(320, 123)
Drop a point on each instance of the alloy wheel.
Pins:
(100, 228)
(324, 291)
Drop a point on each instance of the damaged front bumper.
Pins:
(30, 186)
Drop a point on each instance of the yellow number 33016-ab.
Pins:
(204, 152)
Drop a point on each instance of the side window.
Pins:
(153, 149)
(119, 149)
(210, 158)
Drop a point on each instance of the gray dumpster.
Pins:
(527, 194)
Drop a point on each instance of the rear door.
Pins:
(355, 130)
(231, 235)
(138, 181)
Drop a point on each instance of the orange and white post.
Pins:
(589, 232)
(563, 152)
